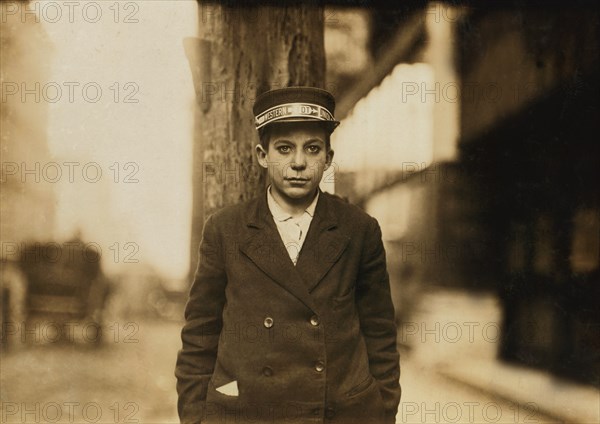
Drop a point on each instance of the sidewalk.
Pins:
(567, 401)
(455, 335)
(429, 397)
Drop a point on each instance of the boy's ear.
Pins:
(329, 159)
(261, 154)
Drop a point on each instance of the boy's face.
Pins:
(296, 158)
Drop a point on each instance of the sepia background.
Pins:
(467, 129)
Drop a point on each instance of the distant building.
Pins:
(27, 200)
(473, 140)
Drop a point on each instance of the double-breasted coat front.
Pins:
(310, 343)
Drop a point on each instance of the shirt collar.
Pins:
(280, 215)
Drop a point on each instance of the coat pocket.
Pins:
(219, 406)
(361, 387)
(346, 300)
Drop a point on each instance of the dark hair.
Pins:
(264, 134)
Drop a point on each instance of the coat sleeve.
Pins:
(377, 320)
(200, 333)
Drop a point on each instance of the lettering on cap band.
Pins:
(293, 110)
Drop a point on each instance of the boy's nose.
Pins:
(299, 161)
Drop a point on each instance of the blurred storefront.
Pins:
(27, 201)
(472, 140)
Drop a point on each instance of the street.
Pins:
(129, 379)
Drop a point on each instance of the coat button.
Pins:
(267, 371)
(268, 322)
(329, 412)
(319, 366)
(314, 321)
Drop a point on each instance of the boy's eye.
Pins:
(313, 149)
(283, 149)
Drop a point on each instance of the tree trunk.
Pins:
(242, 52)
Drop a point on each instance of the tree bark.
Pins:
(240, 53)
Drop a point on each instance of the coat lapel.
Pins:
(265, 248)
(323, 246)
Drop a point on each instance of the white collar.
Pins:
(280, 215)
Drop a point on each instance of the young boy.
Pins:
(290, 317)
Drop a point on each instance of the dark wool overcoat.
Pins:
(312, 343)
